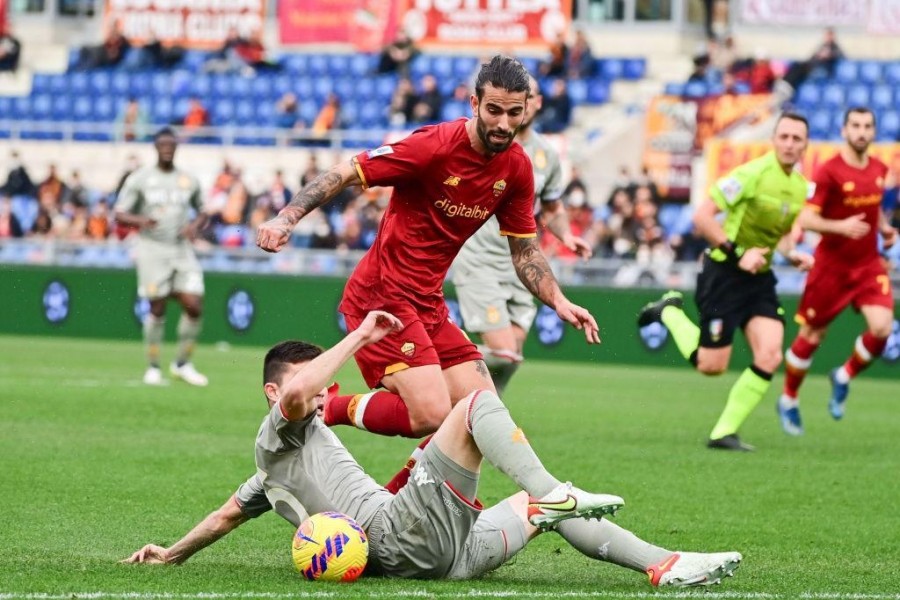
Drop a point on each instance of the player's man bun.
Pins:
(503, 72)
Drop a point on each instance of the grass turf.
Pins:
(94, 465)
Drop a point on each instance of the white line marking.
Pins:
(472, 593)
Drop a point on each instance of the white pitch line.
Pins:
(472, 593)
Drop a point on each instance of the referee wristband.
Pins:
(731, 250)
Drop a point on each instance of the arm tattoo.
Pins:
(482, 369)
(317, 192)
(533, 270)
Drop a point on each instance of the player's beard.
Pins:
(860, 146)
(485, 136)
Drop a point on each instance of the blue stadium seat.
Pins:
(104, 110)
(6, 107)
(882, 97)
(846, 71)
(162, 111)
(201, 86)
(193, 60)
(808, 95)
(41, 107)
(371, 113)
(244, 112)
(74, 55)
(322, 86)
(820, 124)
(858, 95)
(384, 87)
(180, 108)
(79, 83)
(463, 67)
(40, 83)
(345, 88)
(668, 216)
(281, 85)
(139, 85)
(265, 113)
(442, 67)
(339, 65)
(833, 95)
(611, 68)
(59, 84)
(261, 87)
(296, 64)
(161, 84)
(303, 87)
(221, 85)
(597, 91)
(635, 68)
(308, 111)
(26, 210)
(420, 65)
(241, 88)
(317, 65)
(578, 91)
(889, 126)
(531, 63)
(180, 83)
(891, 72)
(674, 89)
(82, 108)
(446, 86)
(119, 83)
(363, 65)
(870, 71)
(454, 109)
(21, 108)
(222, 112)
(99, 82)
(349, 113)
(695, 89)
(62, 108)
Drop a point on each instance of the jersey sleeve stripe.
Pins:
(391, 369)
(518, 235)
(362, 176)
(813, 207)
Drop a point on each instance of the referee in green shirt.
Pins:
(736, 287)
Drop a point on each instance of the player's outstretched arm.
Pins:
(214, 527)
(853, 227)
(788, 249)
(557, 221)
(298, 395)
(534, 272)
(707, 225)
(275, 233)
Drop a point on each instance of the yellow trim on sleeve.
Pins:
(799, 319)
(813, 207)
(362, 175)
(394, 368)
(518, 235)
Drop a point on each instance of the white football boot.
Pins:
(153, 376)
(188, 374)
(566, 501)
(690, 569)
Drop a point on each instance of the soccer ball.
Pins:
(330, 546)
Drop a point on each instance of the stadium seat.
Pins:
(99, 82)
(139, 85)
(870, 71)
(62, 108)
(265, 114)
(59, 84)
(321, 87)
(244, 112)
(611, 68)
(635, 68)
(241, 88)
(82, 108)
(119, 83)
(317, 65)
(6, 107)
(454, 109)
(222, 112)
(308, 111)
(41, 106)
(281, 85)
(78, 83)
(40, 83)
(674, 89)
(833, 95)
(162, 111)
(345, 88)
(362, 65)
(221, 85)
(261, 87)
(668, 216)
(820, 124)
(303, 87)
(338, 65)
(349, 113)
(597, 91)
(578, 91)
(808, 95)
(531, 63)
(21, 108)
(371, 113)
(889, 126)
(882, 97)
(695, 89)
(442, 67)
(419, 66)
(858, 95)
(194, 60)
(104, 109)
(201, 86)
(846, 71)
(891, 72)
(463, 67)
(161, 84)
(296, 64)
(384, 87)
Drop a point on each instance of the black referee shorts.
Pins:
(728, 297)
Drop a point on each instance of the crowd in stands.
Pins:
(10, 50)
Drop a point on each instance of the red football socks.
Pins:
(866, 349)
(796, 363)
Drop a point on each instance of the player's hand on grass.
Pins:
(150, 554)
(579, 318)
(274, 234)
(377, 325)
(753, 259)
(577, 245)
(853, 227)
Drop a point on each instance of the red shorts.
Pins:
(830, 290)
(416, 345)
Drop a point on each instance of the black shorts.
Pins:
(728, 297)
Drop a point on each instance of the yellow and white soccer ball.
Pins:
(330, 546)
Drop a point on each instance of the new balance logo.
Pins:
(453, 181)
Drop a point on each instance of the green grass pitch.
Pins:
(94, 465)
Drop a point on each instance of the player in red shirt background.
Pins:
(447, 179)
(846, 210)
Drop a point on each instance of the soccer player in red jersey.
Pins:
(447, 179)
(846, 210)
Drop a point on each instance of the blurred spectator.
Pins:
(108, 54)
(329, 117)
(196, 116)
(262, 211)
(556, 113)
(826, 56)
(98, 225)
(761, 77)
(428, 106)
(396, 56)
(9, 223)
(226, 59)
(18, 182)
(51, 190)
(154, 55)
(557, 63)
(723, 55)
(576, 187)
(43, 224)
(132, 122)
(581, 60)
(253, 53)
(701, 68)
(403, 100)
(279, 192)
(461, 93)
(75, 192)
(10, 50)
(730, 85)
(312, 170)
(287, 112)
(622, 225)
(77, 222)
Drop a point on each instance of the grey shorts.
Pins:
(422, 531)
(489, 305)
(164, 269)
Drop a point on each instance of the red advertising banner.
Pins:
(486, 22)
(2, 15)
(367, 24)
(189, 23)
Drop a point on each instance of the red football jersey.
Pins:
(443, 192)
(843, 191)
